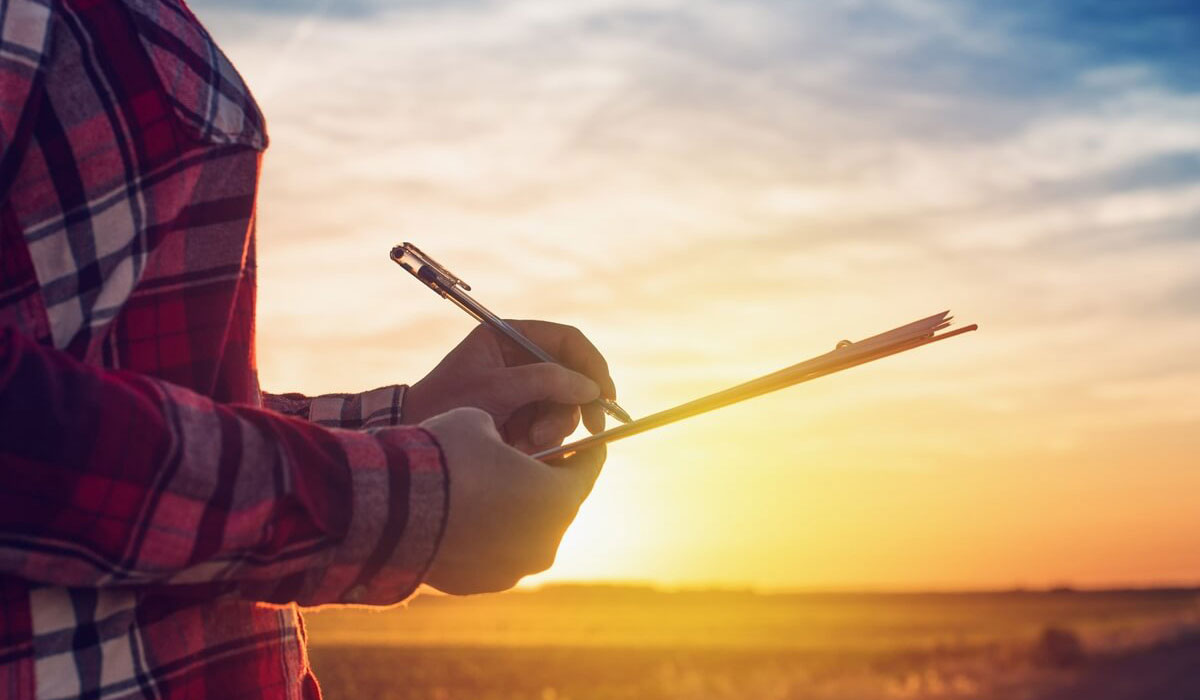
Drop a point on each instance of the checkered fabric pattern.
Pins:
(160, 519)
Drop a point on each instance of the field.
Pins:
(609, 643)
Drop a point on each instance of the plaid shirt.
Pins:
(160, 520)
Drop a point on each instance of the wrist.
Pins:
(412, 404)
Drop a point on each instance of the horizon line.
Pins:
(669, 588)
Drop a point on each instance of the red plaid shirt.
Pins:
(158, 525)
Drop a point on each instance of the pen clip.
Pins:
(431, 272)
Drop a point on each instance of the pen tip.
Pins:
(612, 409)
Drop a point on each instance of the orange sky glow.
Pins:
(707, 213)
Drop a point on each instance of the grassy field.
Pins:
(602, 643)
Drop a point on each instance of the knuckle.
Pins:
(541, 558)
(494, 583)
(544, 562)
(478, 331)
(507, 575)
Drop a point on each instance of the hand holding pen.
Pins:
(518, 342)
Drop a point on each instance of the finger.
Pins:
(581, 470)
(593, 417)
(546, 381)
(571, 347)
(553, 424)
(538, 426)
(516, 429)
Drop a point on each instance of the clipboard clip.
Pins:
(435, 275)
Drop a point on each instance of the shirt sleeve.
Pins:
(111, 478)
(24, 42)
(377, 408)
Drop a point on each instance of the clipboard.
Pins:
(844, 356)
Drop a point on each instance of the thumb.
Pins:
(547, 381)
(476, 418)
(465, 418)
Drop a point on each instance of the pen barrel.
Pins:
(481, 314)
(524, 342)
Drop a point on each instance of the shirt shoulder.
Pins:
(207, 93)
(24, 45)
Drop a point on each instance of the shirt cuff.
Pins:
(399, 502)
(377, 408)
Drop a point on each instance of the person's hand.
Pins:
(535, 405)
(508, 512)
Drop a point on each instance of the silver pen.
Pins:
(447, 285)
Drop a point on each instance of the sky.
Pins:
(715, 190)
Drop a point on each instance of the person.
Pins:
(160, 518)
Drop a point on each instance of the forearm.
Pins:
(112, 478)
